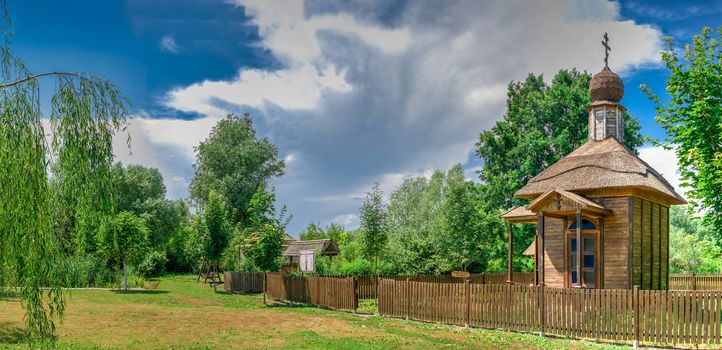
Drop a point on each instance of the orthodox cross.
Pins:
(605, 43)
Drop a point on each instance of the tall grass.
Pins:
(82, 271)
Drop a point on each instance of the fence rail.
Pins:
(695, 282)
(653, 317)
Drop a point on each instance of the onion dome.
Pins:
(606, 86)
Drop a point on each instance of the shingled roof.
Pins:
(325, 247)
(599, 164)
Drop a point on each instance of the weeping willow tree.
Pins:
(85, 112)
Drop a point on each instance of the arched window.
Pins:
(586, 225)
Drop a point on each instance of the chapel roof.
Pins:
(597, 165)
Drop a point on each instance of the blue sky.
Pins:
(352, 92)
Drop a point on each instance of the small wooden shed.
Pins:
(601, 213)
(322, 247)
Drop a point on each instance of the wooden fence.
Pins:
(652, 317)
(243, 282)
(331, 292)
(367, 285)
(695, 282)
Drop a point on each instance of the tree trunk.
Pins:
(125, 277)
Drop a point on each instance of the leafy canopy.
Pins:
(264, 238)
(85, 112)
(234, 162)
(542, 124)
(123, 239)
(373, 226)
(692, 118)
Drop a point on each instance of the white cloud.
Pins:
(168, 44)
(348, 221)
(374, 100)
(664, 162)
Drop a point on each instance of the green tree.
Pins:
(542, 124)
(464, 240)
(691, 244)
(264, 238)
(312, 231)
(216, 227)
(85, 112)
(233, 162)
(415, 225)
(267, 247)
(373, 217)
(692, 118)
(123, 240)
(136, 184)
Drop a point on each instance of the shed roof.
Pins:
(596, 165)
(326, 247)
(520, 215)
(531, 249)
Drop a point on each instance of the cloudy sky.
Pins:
(352, 92)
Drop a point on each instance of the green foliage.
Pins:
(123, 239)
(263, 240)
(153, 264)
(312, 231)
(373, 227)
(266, 252)
(542, 124)
(333, 231)
(85, 111)
(692, 118)
(136, 184)
(441, 224)
(81, 271)
(233, 162)
(216, 227)
(691, 244)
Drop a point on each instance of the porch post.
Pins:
(509, 275)
(579, 248)
(540, 248)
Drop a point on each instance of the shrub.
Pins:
(153, 264)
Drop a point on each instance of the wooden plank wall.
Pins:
(636, 231)
(664, 317)
(650, 229)
(615, 265)
(554, 252)
(664, 246)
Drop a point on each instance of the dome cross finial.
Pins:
(607, 48)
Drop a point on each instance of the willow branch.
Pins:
(36, 76)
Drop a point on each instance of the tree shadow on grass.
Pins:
(139, 292)
(10, 333)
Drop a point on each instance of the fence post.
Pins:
(467, 289)
(318, 291)
(264, 288)
(635, 304)
(694, 281)
(355, 293)
(542, 311)
(408, 297)
(483, 278)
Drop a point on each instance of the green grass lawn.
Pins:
(184, 314)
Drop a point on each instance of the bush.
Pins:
(153, 264)
(82, 271)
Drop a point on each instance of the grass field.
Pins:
(184, 314)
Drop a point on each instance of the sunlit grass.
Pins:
(185, 314)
